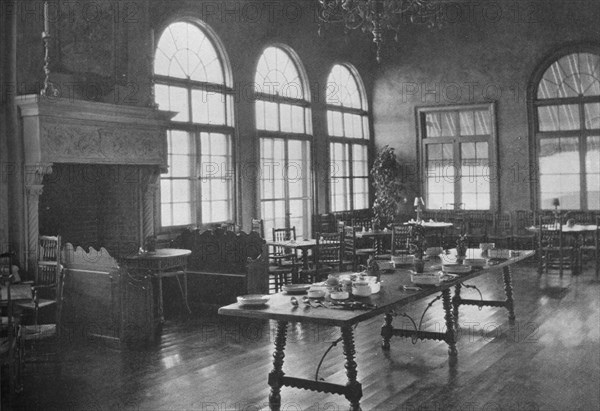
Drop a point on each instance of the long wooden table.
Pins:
(392, 295)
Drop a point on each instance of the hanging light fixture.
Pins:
(375, 16)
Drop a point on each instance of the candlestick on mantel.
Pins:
(49, 90)
(46, 19)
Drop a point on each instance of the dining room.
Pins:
(309, 204)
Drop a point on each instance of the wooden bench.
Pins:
(224, 264)
(102, 300)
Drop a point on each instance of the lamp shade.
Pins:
(419, 201)
(555, 202)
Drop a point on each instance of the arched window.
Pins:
(192, 78)
(566, 112)
(284, 131)
(348, 129)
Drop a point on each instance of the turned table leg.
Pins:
(510, 304)
(354, 387)
(450, 334)
(387, 331)
(456, 303)
(276, 374)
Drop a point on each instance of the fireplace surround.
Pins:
(90, 166)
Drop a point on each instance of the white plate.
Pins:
(253, 299)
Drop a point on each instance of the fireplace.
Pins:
(91, 172)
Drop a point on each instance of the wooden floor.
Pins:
(549, 360)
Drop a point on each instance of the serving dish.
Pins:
(456, 268)
(426, 278)
(253, 300)
(296, 288)
(475, 262)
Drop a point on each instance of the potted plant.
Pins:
(417, 245)
(390, 190)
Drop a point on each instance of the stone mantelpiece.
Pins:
(66, 131)
(57, 130)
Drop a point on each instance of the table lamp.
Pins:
(419, 204)
(556, 203)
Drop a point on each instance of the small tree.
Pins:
(389, 188)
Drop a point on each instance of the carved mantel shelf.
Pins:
(59, 130)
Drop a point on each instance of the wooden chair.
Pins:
(591, 246)
(47, 277)
(501, 233)
(324, 223)
(477, 227)
(363, 223)
(10, 329)
(522, 238)
(283, 262)
(553, 248)
(47, 291)
(327, 258)
(257, 226)
(352, 251)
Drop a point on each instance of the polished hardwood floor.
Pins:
(549, 360)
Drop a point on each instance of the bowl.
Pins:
(339, 295)
(375, 287)
(361, 288)
(316, 293)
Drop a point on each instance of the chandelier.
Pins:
(375, 16)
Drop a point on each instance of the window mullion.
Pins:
(350, 176)
(582, 155)
(456, 160)
(286, 189)
(197, 184)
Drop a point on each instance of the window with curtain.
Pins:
(191, 80)
(458, 151)
(284, 132)
(566, 111)
(348, 130)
